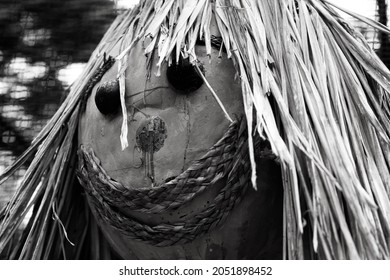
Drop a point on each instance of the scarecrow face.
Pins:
(173, 121)
(177, 107)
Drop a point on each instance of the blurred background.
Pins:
(44, 45)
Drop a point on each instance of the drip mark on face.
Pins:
(150, 138)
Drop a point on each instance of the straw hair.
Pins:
(311, 86)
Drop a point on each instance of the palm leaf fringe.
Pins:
(311, 86)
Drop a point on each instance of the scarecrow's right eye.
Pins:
(183, 76)
(107, 98)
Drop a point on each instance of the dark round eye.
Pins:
(107, 97)
(183, 76)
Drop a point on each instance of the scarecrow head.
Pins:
(182, 182)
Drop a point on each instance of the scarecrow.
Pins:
(213, 129)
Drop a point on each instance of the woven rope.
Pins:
(205, 172)
(235, 164)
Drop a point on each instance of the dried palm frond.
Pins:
(311, 86)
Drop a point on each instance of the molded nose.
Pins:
(151, 134)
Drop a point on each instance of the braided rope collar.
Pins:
(227, 162)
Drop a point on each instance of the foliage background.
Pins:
(43, 45)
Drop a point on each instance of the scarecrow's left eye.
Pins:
(107, 98)
(183, 76)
